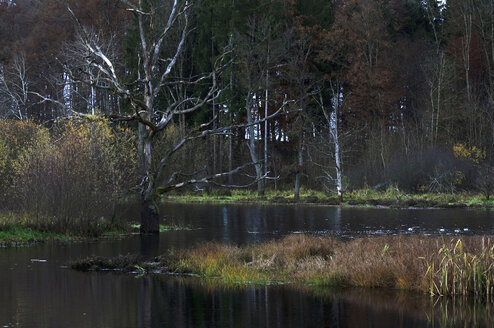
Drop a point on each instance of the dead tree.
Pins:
(157, 77)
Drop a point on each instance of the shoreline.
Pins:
(359, 198)
(14, 232)
(18, 235)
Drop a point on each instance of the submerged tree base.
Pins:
(433, 265)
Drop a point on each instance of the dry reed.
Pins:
(436, 265)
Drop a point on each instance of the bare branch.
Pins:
(210, 179)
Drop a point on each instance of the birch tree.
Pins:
(79, 68)
(330, 147)
(14, 89)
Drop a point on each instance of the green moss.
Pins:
(17, 235)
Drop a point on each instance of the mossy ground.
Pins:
(14, 235)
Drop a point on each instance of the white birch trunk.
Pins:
(336, 139)
(252, 146)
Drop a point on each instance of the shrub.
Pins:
(66, 179)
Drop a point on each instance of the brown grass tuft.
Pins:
(430, 264)
(435, 265)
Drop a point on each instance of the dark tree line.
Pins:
(381, 92)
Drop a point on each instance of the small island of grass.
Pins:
(432, 265)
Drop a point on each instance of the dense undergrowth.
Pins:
(433, 265)
(66, 179)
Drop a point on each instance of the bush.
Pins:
(67, 179)
(15, 138)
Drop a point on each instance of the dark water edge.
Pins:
(115, 300)
(38, 290)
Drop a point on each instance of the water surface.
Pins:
(37, 290)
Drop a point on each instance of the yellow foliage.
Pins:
(3, 155)
(422, 188)
(69, 171)
(472, 153)
(459, 178)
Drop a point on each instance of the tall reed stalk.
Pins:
(458, 272)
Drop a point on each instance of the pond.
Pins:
(38, 290)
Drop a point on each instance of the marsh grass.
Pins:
(433, 265)
(439, 266)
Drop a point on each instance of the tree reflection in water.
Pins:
(192, 302)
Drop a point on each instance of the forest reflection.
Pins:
(191, 302)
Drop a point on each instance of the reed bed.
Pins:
(433, 265)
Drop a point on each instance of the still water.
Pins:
(38, 290)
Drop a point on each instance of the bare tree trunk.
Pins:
(252, 146)
(467, 37)
(266, 125)
(266, 98)
(215, 124)
(337, 154)
(436, 108)
(333, 127)
(213, 139)
(298, 175)
(92, 100)
(230, 137)
(230, 155)
(149, 210)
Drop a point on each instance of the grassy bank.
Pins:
(365, 197)
(433, 265)
(20, 233)
(21, 229)
(23, 235)
(13, 235)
